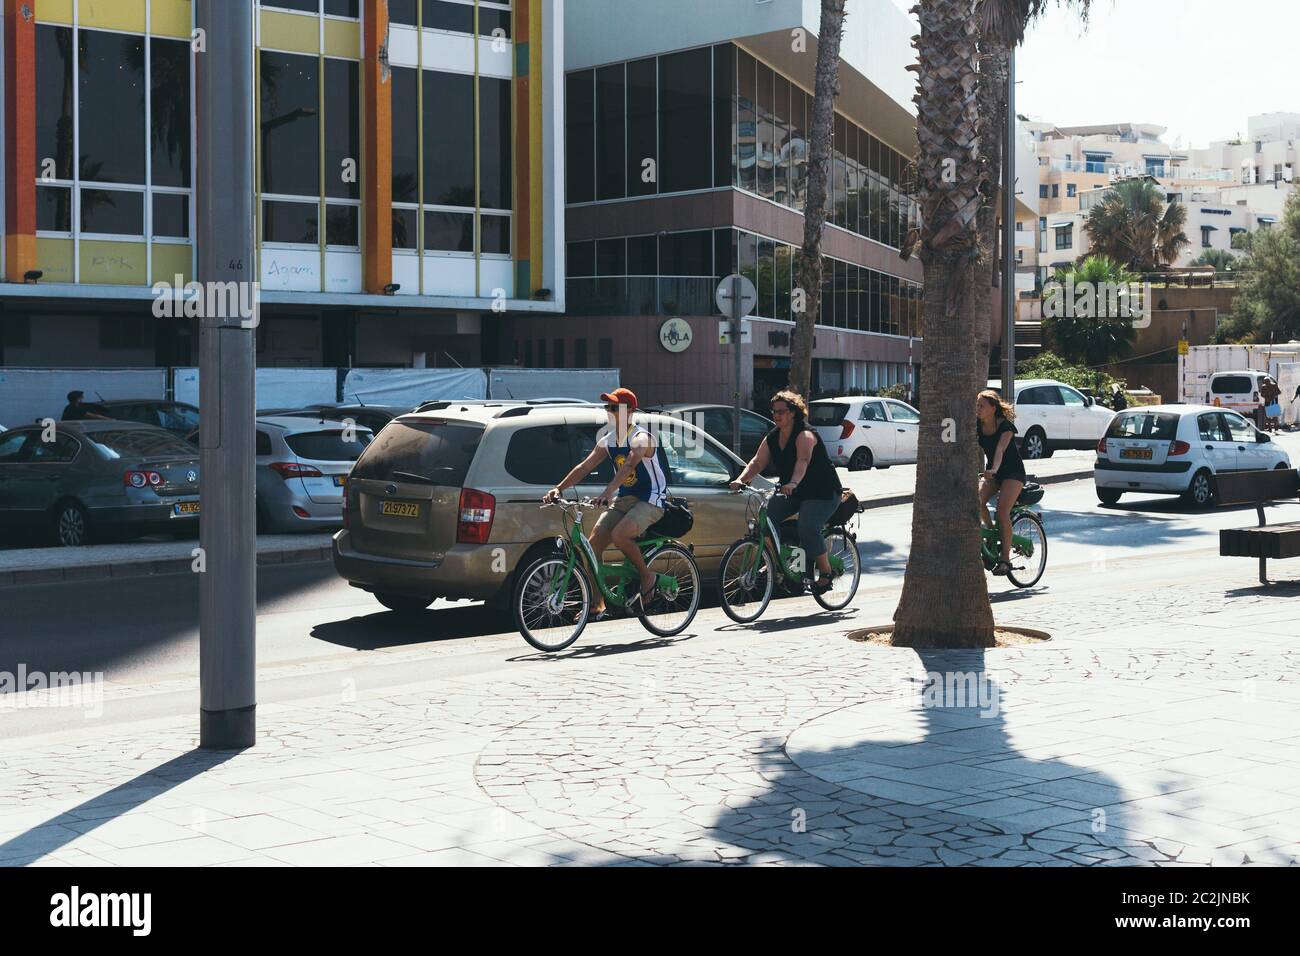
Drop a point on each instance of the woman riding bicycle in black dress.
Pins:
(1004, 473)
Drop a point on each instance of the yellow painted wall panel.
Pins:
(54, 258)
(343, 38)
(110, 262)
(290, 31)
(112, 14)
(54, 11)
(169, 261)
(171, 18)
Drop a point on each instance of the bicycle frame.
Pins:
(991, 537)
(577, 547)
(765, 531)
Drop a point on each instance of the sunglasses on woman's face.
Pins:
(779, 411)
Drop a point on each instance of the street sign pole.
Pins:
(224, 238)
(737, 318)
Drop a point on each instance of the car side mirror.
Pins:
(1262, 438)
(1087, 401)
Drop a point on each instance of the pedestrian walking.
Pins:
(1117, 399)
(1269, 393)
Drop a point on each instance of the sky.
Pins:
(1198, 67)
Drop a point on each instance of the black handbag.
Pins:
(676, 522)
(848, 509)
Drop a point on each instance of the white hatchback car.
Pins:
(866, 432)
(1051, 415)
(1178, 449)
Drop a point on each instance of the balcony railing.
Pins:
(1169, 170)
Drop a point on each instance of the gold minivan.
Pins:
(445, 503)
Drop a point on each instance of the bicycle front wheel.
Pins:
(550, 615)
(842, 551)
(745, 580)
(677, 595)
(1028, 550)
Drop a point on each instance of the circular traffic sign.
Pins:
(748, 295)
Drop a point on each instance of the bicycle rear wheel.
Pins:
(550, 620)
(677, 597)
(1031, 554)
(842, 551)
(744, 586)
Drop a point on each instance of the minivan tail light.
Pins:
(291, 469)
(1178, 448)
(475, 523)
(846, 430)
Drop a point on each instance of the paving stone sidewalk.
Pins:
(1153, 734)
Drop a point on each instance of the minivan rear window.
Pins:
(331, 445)
(438, 452)
(1161, 426)
(1231, 385)
(825, 414)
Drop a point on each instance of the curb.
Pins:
(144, 569)
(893, 500)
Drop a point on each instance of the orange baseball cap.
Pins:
(621, 396)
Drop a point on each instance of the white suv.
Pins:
(1178, 449)
(1052, 415)
(866, 432)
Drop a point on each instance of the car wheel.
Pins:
(1201, 491)
(1108, 496)
(1034, 446)
(861, 460)
(71, 525)
(402, 603)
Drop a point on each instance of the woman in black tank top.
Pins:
(809, 483)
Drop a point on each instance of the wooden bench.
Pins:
(1265, 541)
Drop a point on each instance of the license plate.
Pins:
(185, 508)
(399, 509)
(340, 481)
(1143, 453)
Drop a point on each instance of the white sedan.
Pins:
(866, 432)
(1178, 449)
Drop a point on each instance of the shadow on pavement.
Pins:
(370, 632)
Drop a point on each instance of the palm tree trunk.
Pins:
(991, 102)
(945, 601)
(814, 217)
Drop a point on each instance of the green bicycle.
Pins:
(750, 568)
(553, 596)
(1028, 540)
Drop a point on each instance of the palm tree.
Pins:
(1221, 260)
(945, 600)
(1133, 225)
(1101, 333)
(814, 217)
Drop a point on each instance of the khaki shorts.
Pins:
(641, 513)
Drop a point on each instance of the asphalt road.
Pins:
(315, 633)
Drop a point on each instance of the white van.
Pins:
(1237, 390)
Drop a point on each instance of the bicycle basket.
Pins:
(676, 522)
(1031, 494)
(848, 509)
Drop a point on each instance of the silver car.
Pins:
(302, 468)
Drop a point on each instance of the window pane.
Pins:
(611, 143)
(766, 132)
(449, 231)
(289, 222)
(402, 11)
(581, 258)
(449, 139)
(304, 6)
(642, 129)
(341, 226)
(495, 143)
(170, 111)
(746, 131)
(686, 120)
(686, 254)
(406, 129)
(54, 208)
(747, 255)
(766, 279)
(111, 104)
(343, 8)
(495, 239)
(290, 125)
(441, 15)
(785, 259)
(842, 318)
(611, 257)
(54, 99)
(781, 150)
(580, 159)
(404, 228)
(112, 212)
(491, 20)
(342, 129)
(171, 216)
(724, 253)
(724, 115)
(642, 256)
(839, 172)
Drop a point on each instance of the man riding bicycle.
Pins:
(635, 496)
(809, 483)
